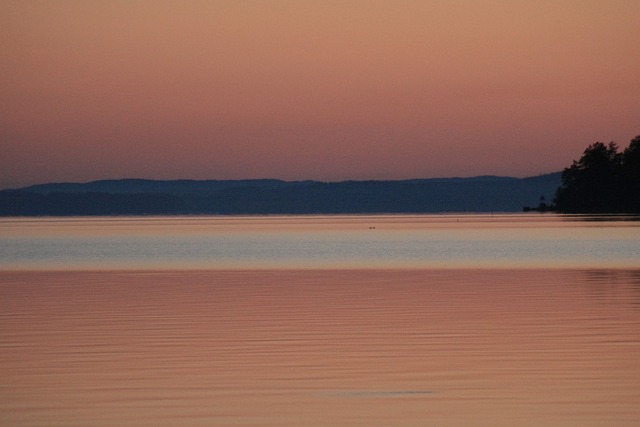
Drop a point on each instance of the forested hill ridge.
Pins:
(603, 180)
(269, 196)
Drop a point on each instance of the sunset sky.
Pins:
(325, 90)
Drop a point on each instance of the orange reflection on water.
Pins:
(316, 348)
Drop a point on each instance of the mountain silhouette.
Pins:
(271, 196)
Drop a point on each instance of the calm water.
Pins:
(436, 241)
(317, 321)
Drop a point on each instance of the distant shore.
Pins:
(185, 197)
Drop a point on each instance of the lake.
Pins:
(320, 320)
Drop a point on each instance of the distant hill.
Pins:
(137, 186)
(269, 196)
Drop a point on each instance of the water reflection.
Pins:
(605, 285)
(601, 217)
(436, 241)
(317, 348)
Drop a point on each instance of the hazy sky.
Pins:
(326, 90)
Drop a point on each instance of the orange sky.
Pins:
(326, 90)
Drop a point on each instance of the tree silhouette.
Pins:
(630, 171)
(602, 181)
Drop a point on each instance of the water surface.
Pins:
(428, 241)
(404, 331)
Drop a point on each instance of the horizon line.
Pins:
(93, 181)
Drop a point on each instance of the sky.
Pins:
(324, 90)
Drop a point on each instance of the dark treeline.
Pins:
(602, 181)
(26, 203)
(145, 197)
